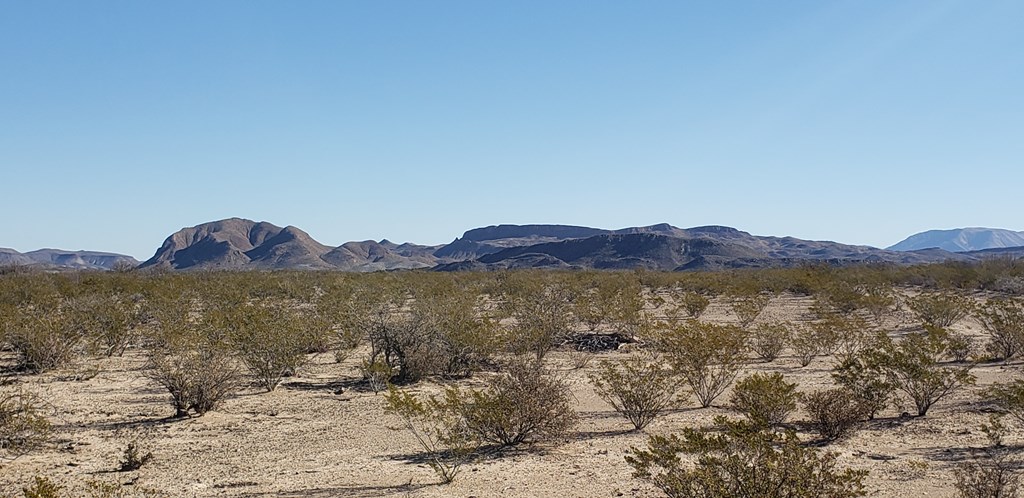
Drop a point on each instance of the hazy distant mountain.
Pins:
(962, 240)
(60, 259)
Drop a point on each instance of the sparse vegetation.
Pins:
(765, 399)
(439, 428)
(638, 388)
(1003, 319)
(940, 309)
(995, 474)
(707, 356)
(524, 404)
(913, 366)
(768, 340)
(834, 413)
(23, 425)
(133, 458)
(742, 461)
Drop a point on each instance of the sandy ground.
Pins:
(318, 436)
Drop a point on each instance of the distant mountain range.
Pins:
(244, 244)
(962, 240)
(240, 244)
(58, 259)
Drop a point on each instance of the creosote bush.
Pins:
(1003, 319)
(439, 429)
(806, 345)
(748, 306)
(23, 426)
(1008, 397)
(707, 356)
(995, 473)
(742, 461)
(198, 379)
(768, 340)
(271, 341)
(48, 335)
(913, 366)
(834, 413)
(940, 309)
(639, 388)
(863, 376)
(523, 404)
(765, 399)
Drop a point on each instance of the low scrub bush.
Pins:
(198, 379)
(865, 378)
(133, 458)
(524, 404)
(271, 341)
(769, 340)
(913, 366)
(747, 307)
(639, 388)
(48, 335)
(707, 356)
(940, 309)
(742, 461)
(438, 428)
(765, 399)
(1008, 397)
(834, 413)
(1003, 319)
(806, 345)
(23, 425)
(995, 474)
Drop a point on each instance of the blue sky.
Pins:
(856, 121)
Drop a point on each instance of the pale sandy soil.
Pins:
(307, 439)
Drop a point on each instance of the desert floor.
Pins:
(320, 435)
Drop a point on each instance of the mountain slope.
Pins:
(663, 247)
(240, 244)
(61, 259)
(961, 239)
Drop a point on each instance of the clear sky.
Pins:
(857, 121)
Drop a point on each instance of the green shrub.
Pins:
(707, 356)
(1008, 397)
(48, 335)
(995, 474)
(834, 413)
(1003, 319)
(638, 388)
(940, 309)
(913, 366)
(270, 340)
(439, 429)
(806, 345)
(23, 426)
(768, 340)
(694, 304)
(765, 399)
(862, 376)
(748, 306)
(524, 404)
(542, 317)
(198, 378)
(43, 488)
(742, 461)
